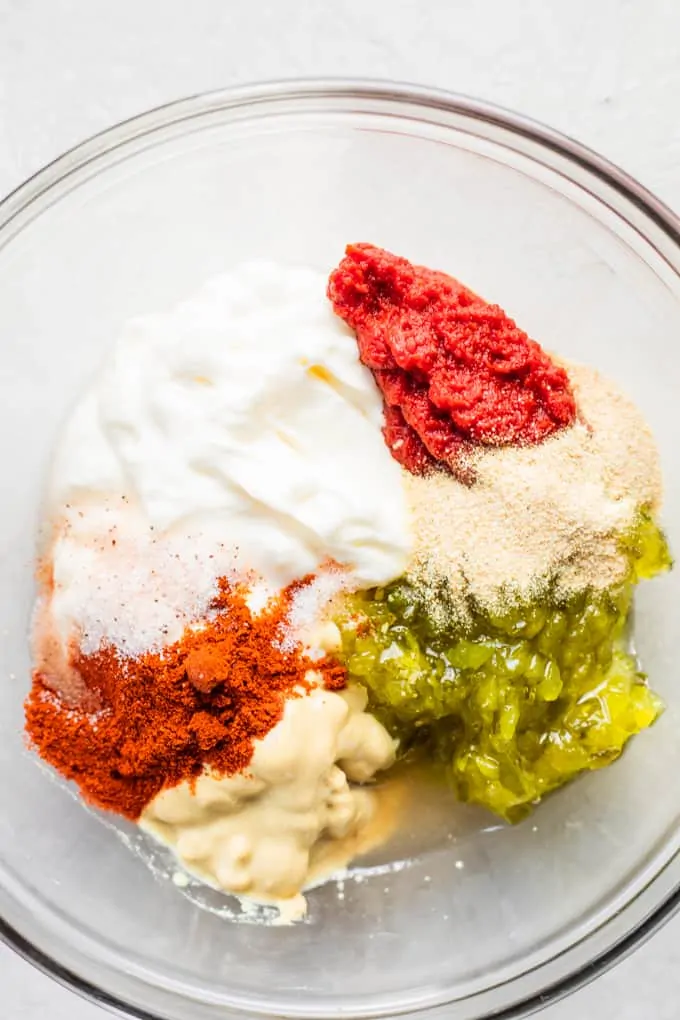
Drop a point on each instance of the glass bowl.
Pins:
(469, 919)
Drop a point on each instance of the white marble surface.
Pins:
(605, 71)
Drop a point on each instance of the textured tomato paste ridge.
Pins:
(454, 371)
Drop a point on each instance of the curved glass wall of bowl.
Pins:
(460, 911)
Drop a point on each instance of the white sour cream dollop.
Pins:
(237, 433)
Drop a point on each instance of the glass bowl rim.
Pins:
(242, 96)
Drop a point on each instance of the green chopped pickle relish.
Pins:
(516, 704)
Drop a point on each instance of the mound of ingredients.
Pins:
(300, 530)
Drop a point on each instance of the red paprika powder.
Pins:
(163, 716)
(454, 371)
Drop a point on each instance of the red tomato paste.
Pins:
(454, 371)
